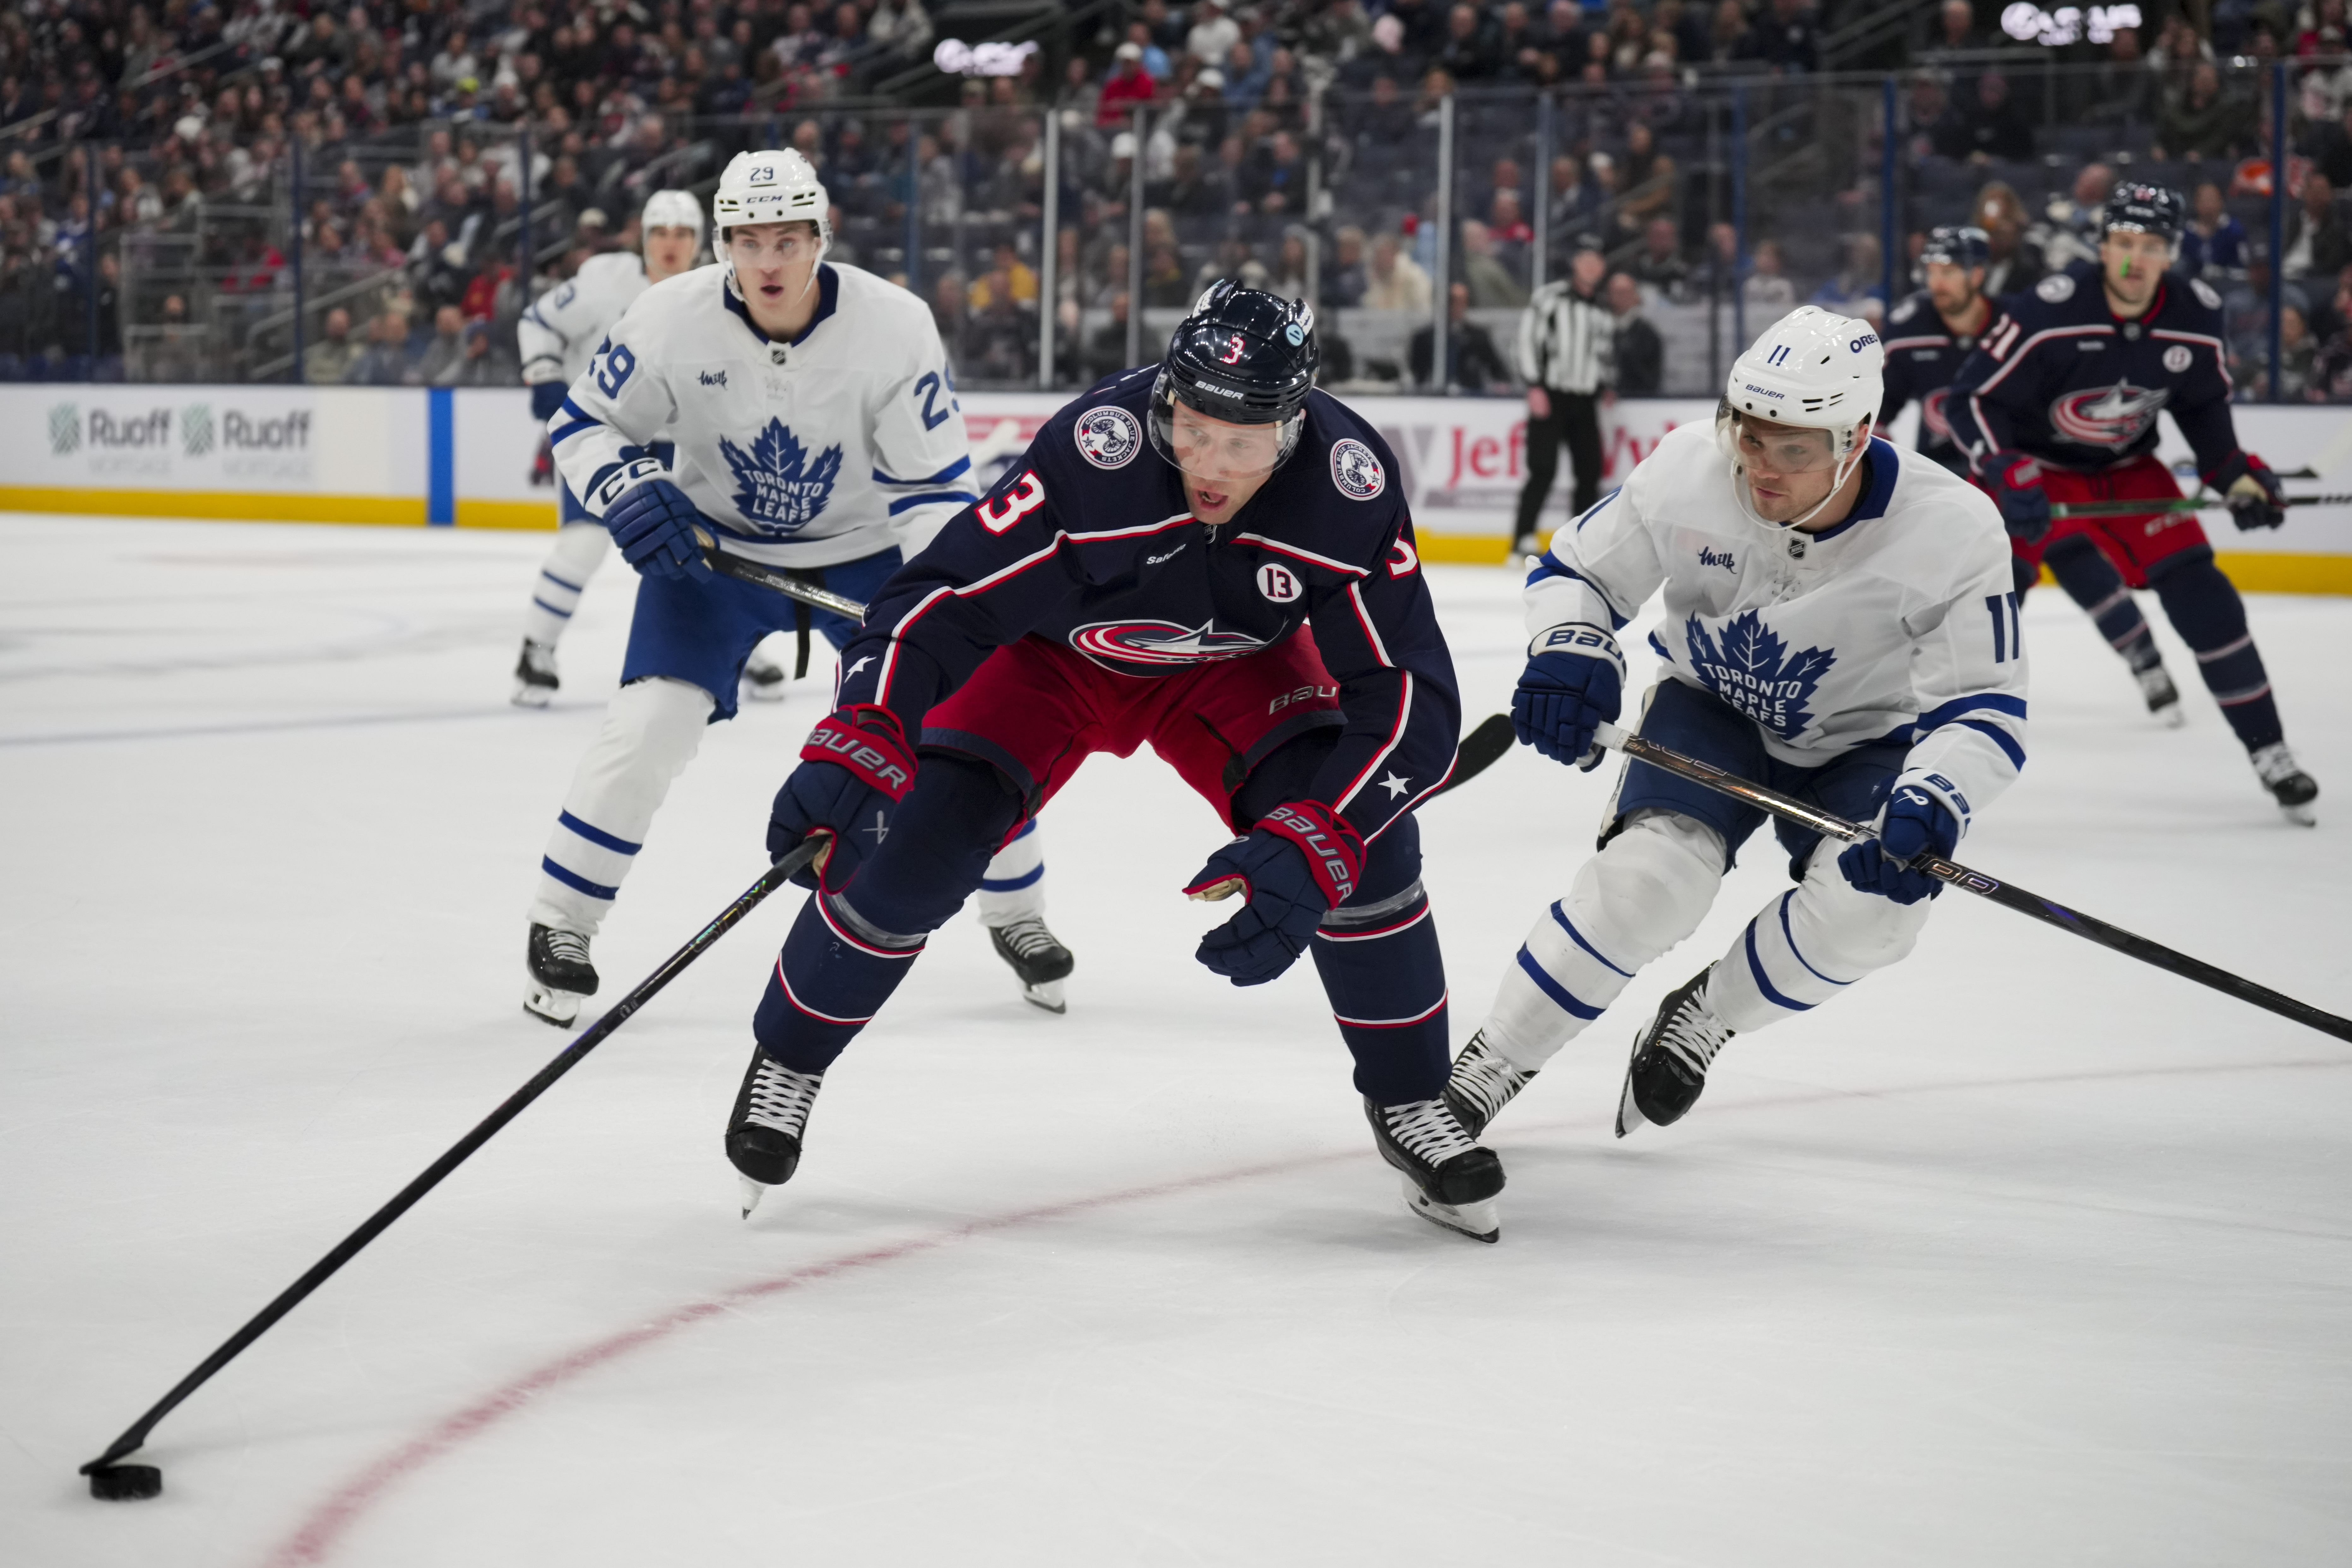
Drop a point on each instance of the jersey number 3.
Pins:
(1000, 512)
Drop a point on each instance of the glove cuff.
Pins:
(1334, 849)
(1943, 792)
(2017, 470)
(867, 740)
(1583, 639)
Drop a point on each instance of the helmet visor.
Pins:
(1768, 448)
(1217, 452)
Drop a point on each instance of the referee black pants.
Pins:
(1575, 418)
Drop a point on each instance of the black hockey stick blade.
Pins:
(116, 1482)
(1481, 749)
(2185, 503)
(1952, 873)
(783, 582)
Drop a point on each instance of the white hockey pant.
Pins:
(1646, 891)
(1013, 885)
(651, 730)
(580, 549)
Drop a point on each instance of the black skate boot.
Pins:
(763, 1132)
(2163, 696)
(560, 975)
(535, 678)
(764, 679)
(2293, 789)
(1037, 957)
(1670, 1058)
(1481, 1084)
(1448, 1179)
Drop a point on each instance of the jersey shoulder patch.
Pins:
(2205, 294)
(2056, 288)
(1358, 473)
(1107, 435)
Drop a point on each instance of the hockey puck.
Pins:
(126, 1483)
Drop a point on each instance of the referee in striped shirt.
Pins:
(1568, 358)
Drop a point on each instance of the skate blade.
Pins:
(773, 691)
(752, 1192)
(1629, 1115)
(1479, 1221)
(2301, 815)
(533, 696)
(560, 1008)
(1047, 994)
(2172, 716)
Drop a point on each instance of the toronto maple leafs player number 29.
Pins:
(1840, 626)
(798, 412)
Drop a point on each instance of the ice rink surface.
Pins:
(2021, 1253)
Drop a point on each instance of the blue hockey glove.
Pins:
(2016, 485)
(654, 523)
(2256, 498)
(1915, 823)
(546, 397)
(855, 767)
(1298, 864)
(1574, 682)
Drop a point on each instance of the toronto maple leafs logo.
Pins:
(777, 488)
(1752, 670)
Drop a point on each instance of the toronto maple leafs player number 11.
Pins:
(799, 413)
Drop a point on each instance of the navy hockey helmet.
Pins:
(2150, 209)
(1243, 356)
(1958, 245)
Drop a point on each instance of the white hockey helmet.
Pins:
(1814, 369)
(671, 209)
(773, 186)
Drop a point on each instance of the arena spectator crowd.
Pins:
(428, 166)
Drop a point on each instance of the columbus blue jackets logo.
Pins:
(1107, 437)
(1932, 415)
(1752, 670)
(777, 488)
(2112, 416)
(1161, 643)
(1356, 471)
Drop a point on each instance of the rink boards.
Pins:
(463, 457)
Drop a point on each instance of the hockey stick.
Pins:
(119, 1482)
(2185, 503)
(1953, 874)
(1479, 750)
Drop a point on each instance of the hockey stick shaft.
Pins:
(783, 582)
(2185, 503)
(377, 1222)
(1953, 874)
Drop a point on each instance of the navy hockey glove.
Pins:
(546, 397)
(1574, 682)
(1915, 823)
(1298, 865)
(654, 523)
(856, 766)
(2256, 498)
(2016, 485)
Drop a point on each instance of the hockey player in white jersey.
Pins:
(802, 415)
(1840, 625)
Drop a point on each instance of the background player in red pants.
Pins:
(2059, 404)
(1207, 556)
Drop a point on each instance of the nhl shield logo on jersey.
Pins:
(2112, 417)
(1108, 436)
(777, 488)
(1356, 471)
(1752, 670)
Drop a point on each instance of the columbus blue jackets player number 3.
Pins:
(1206, 555)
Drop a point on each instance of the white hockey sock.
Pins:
(1013, 885)
(1631, 901)
(1809, 945)
(580, 549)
(651, 732)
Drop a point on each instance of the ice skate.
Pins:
(1449, 1179)
(1037, 957)
(764, 679)
(560, 975)
(1481, 1084)
(763, 1132)
(1671, 1059)
(2163, 696)
(2293, 789)
(535, 680)
(1527, 544)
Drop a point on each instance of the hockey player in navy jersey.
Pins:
(801, 414)
(1840, 627)
(1206, 555)
(1928, 335)
(2059, 404)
